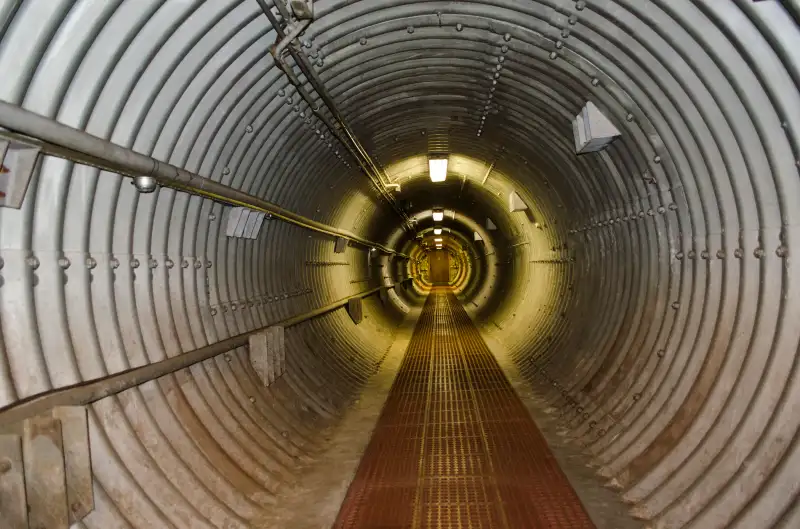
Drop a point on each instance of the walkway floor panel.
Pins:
(454, 446)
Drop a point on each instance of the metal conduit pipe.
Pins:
(350, 140)
(75, 145)
(648, 291)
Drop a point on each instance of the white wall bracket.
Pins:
(593, 131)
(268, 354)
(515, 202)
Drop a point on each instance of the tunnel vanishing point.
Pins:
(233, 232)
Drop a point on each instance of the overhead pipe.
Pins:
(63, 141)
(350, 140)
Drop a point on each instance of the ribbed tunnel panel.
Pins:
(648, 291)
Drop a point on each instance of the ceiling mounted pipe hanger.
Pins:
(341, 130)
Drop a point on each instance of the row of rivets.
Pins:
(500, 59)
(633, 216)
(571, 401)
(738, 253)
(63, 262)
(314, 55)
(555, 261)
(258, 302)
(327, 263)
(306, 115)
(565, 32)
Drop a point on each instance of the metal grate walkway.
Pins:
(454, 446)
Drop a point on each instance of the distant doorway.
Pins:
(439, 262)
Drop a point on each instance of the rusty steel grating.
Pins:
(454, 446)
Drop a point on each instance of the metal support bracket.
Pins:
(244, 223)
(17, 162)
(303, 9)
(13, 501)
(355, 310)
(46, 470)
(268, 354)
(341, 245)
(277, 50)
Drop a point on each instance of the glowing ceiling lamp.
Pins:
(437, 168)
(438, 215)
(438, 239)
(437, 231)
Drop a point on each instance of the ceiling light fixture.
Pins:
(438, 239)
(437, 167)
(437, 231)
(438, 215)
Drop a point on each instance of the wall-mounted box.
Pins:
(244, 223)
(592, 130)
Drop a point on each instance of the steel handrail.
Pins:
(86, 392)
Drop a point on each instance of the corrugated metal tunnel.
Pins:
(645, 290)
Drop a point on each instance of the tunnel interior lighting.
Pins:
(438, 215)
(437, 167)
(438, 239)
(437, 231)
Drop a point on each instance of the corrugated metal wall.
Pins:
(650, 292)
